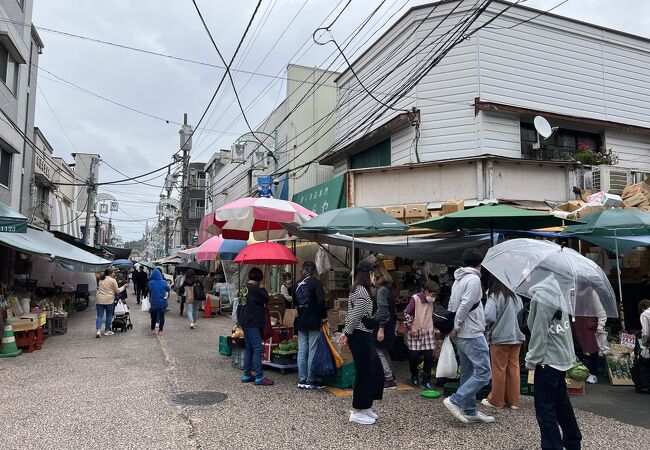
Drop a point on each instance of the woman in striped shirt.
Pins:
(358, 334)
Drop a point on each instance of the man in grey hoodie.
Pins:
(551, 354)
(469, 336)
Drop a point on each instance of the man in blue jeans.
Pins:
(468, 334)
(312, 312)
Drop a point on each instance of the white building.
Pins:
(476, 107)
(293, 134)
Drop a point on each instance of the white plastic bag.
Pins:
(121, 308)
(603, 344)
(447, 365)
(146, 306)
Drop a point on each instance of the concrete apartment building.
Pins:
(20, 46)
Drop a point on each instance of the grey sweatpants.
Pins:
(386, 363)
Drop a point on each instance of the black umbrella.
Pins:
(196, 267)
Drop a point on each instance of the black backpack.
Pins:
(443, 319)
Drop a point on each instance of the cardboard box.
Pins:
(634, 200)
(575, 387)
(289, 316)
(452, 206)
(416, 211)
(570, 206)
(611, 200)
(398, 212)
(589, 210)
(638, 188)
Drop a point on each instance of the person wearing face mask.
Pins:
(420, 337)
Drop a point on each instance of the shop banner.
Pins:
(264, 186)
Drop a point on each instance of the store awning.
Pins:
(443, 250)
(11, 221)
(323, 197)
(40, 242)
(64, 219)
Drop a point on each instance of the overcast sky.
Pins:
(134, 143)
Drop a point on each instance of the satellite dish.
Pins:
(543, 127)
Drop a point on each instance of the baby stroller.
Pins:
(121, 316)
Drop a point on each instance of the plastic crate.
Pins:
(237, 358)
(284, 359)
(224, 348)
(344, 377)
(59, 325)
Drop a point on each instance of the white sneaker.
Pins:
(361, 418)
(485, 402)
(108, 333)
(480, 418)
(99, 334)
(513, 407)
(192, 325)
(592, 379)
(455, 410)
(370, 413)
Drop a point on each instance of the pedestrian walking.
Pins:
(644, 311)
(180, 291)
(358, 334)
(550, 355)
(469, 337)
(386, 315)
(140, 283)
(250, 316)
(189, 293)
(501, 312)
(208, 287)
(312, 312)
(420, 336)
(159, 293)
(107, 290)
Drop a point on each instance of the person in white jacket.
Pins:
(469, 337)
(644, 309)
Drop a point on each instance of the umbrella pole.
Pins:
(620, 285)
(352, 259)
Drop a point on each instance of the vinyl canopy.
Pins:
(39, 242)
(11, 221)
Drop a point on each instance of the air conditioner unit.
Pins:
(225, 157)
(259, 160)
(238, 153)
(610, 179)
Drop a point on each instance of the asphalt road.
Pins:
(114, 392)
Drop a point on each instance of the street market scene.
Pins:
(387, 224)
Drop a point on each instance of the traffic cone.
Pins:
(8, 346)
(207, 307)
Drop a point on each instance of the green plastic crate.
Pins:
(224, 348)
(344, 377)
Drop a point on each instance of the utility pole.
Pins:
(169, 184)
(90, 207)
(186, 146)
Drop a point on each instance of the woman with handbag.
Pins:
(358, 334)
(251, 314)
(192, 289)
(501, 312)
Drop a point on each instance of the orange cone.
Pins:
(207, 307)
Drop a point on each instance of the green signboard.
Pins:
(323, 197)
(11, 221)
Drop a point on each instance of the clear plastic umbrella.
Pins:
(558, 276)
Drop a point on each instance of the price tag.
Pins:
(628, 340)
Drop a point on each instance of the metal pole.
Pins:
(90, 205)
(276, 163)
(186, 146)
(620, 285)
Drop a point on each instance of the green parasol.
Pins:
(354, 221)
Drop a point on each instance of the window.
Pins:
(5, 167)
(563, 145)
(8, 69)
(200, 181)
(197, 209)
(376, 156)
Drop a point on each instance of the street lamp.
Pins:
(238, 147)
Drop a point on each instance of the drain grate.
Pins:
(196, 398)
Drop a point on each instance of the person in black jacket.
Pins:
(312, 312)
(387, 320)
(250, 315)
